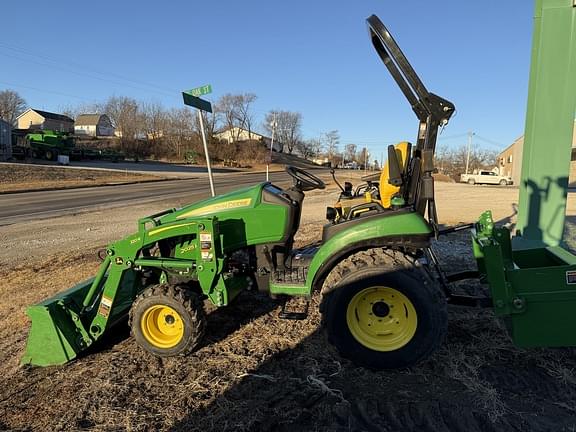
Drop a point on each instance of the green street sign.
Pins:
(199, 91)
(196, 102)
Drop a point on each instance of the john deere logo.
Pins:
(226, 205)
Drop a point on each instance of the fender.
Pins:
(403, 228)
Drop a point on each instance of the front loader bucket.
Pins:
(57, 334)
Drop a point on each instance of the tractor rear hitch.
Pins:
(456, 228)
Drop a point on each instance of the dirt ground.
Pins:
(16, 177)
(256, 372)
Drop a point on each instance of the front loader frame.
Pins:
(71, 321)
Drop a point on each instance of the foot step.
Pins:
(292, 314)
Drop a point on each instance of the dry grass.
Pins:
(14, 177)
(257, 372)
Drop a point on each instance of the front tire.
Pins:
(503, 183)
(385, 318)
(472, 182)
(168, 320)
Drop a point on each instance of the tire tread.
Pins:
(187, 298)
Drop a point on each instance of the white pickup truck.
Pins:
(485, 177)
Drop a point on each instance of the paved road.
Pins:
(35, 205)
(152, 167)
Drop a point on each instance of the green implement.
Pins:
(57, 335)
(532, 278)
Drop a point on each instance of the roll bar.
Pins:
(432, 112)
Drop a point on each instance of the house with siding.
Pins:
(237, 134)
(93, 125)
(44, 120)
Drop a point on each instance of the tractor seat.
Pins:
(385, 189)
(377, 188)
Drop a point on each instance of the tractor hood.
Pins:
(244, 218)
(243, 198)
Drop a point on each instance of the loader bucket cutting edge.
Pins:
(57, 334)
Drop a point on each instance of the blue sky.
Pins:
(311, 56)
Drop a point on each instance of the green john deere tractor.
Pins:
(382, 306)
(384, 296)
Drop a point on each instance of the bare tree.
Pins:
(245, 117)
(316, 145)
(362, 156)
(442, 158)
(212, 122)
(452, 162)
(126, 116)
(154, 119)
(180, 131)
(11, 105)
(73, 111)
(309, 148)
(288, 128)
(235, 112)
(350, 152)
(332, 140)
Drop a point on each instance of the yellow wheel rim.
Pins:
(381, 318)
(162, 326)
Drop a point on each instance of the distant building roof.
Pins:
(237, 129)
(49, 115)
(88, 119)
(54, 116)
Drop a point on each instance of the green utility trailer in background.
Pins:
(383, 295)
(49, 144)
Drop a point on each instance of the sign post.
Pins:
(271, 147)
(191, 99)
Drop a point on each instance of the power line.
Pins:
(42, 90)
(85, 67)
(489, 141)
(84, 74)
(446, 138)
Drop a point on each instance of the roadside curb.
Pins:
(92, 186)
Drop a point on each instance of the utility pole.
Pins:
(470, 135)
(271, 147)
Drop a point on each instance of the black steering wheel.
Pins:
(304, 181)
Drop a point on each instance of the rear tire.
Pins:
(384, 313)
(503, 182)
(168, 320)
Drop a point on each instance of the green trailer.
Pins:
(49, 144)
